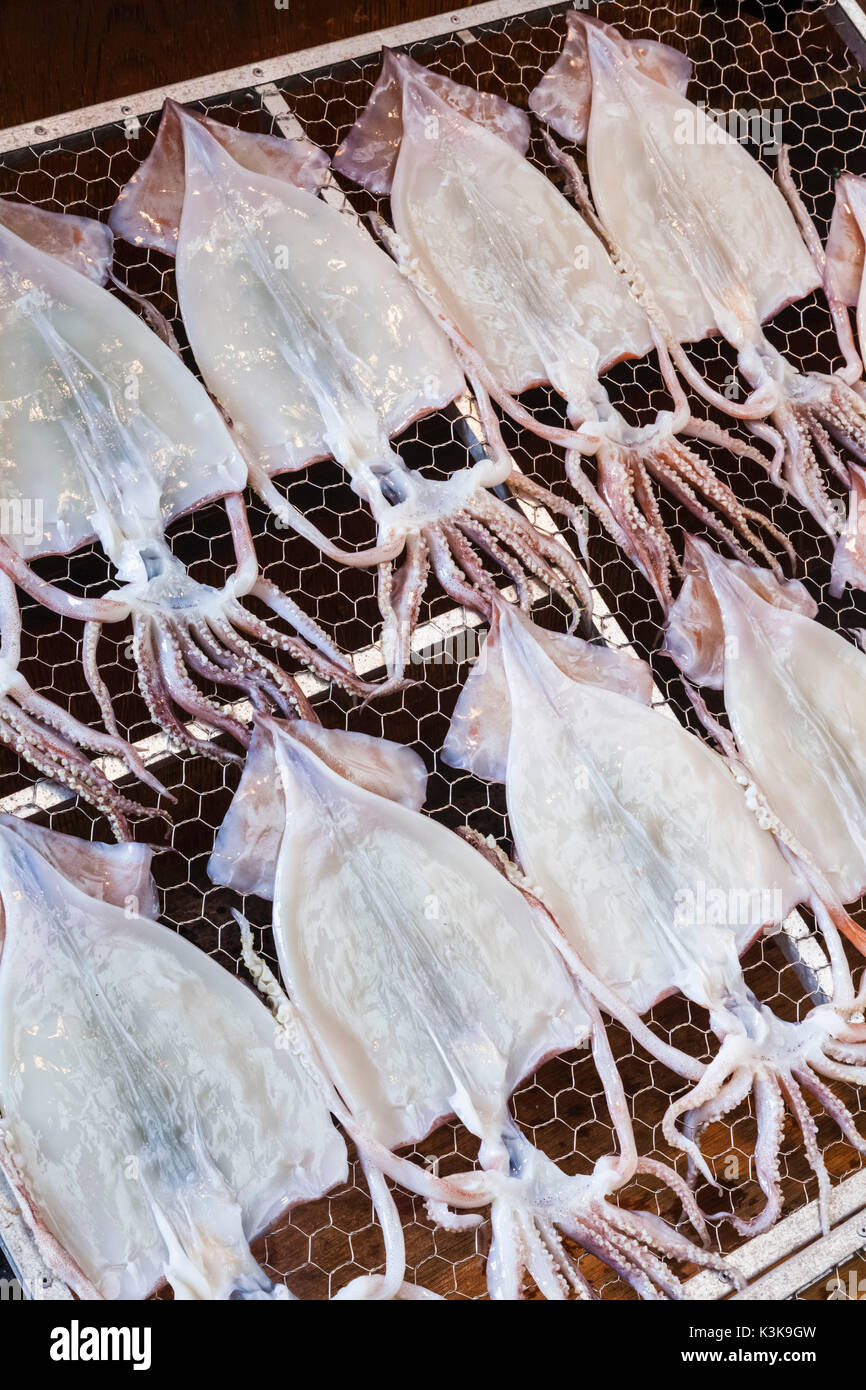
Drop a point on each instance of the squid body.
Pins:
(106, 430)
(429, 986)
(795, 692)
(151, 1125)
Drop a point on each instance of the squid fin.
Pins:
(695, 635)
(115, 874)
(80, 242)
(564, 95)
(248, 843)
(480, 728)
(148, 208)
(846, 243)
(369, 152)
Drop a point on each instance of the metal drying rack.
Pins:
(799, 66)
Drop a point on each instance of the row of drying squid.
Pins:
(156, 1115)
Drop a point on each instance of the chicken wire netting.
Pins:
(786, 71)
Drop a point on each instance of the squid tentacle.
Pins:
(632, 1228)
(671, 1178)
(770, 1113)
(59, 760)
(98, 688)
(55, 742)
(833, 1106)
(172, 655)
(843, 411)
(735, 1090)
(853, 368)
(477, 532)
(467, 558)
(204, 658)
(747, 521)
(809, 1131)
(256, 665)
(705, 1090)
(543, 555)
(285, 607)
(665, 472)
(93, 740)
(455, 584)
(840, 1051)
(156, 697)
(321, 663)
(727, 1082)
(648, 545)
(563, 1261)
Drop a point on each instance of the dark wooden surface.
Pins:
(57, 56)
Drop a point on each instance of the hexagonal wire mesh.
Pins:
(789, 63)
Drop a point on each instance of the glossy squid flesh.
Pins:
(709, 243)
(314, 345)
(795, 693)
(112, 437)
(528, 294)
(844, 287)
(429, 988)
(153, 1123)
(658, 875)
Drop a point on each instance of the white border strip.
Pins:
(253, 74)
(794, 1254)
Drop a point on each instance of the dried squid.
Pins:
(314, 345)
(844, 287)
(151, 1125)
(710, 245)
(107, 435)
(529, 295)
(795, 695)
(429, 987)
(658, 874)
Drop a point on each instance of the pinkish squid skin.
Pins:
(428, 985)
(709, 245)
(658, 875)
(357, 358)
(524, 287)
(113, 437)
